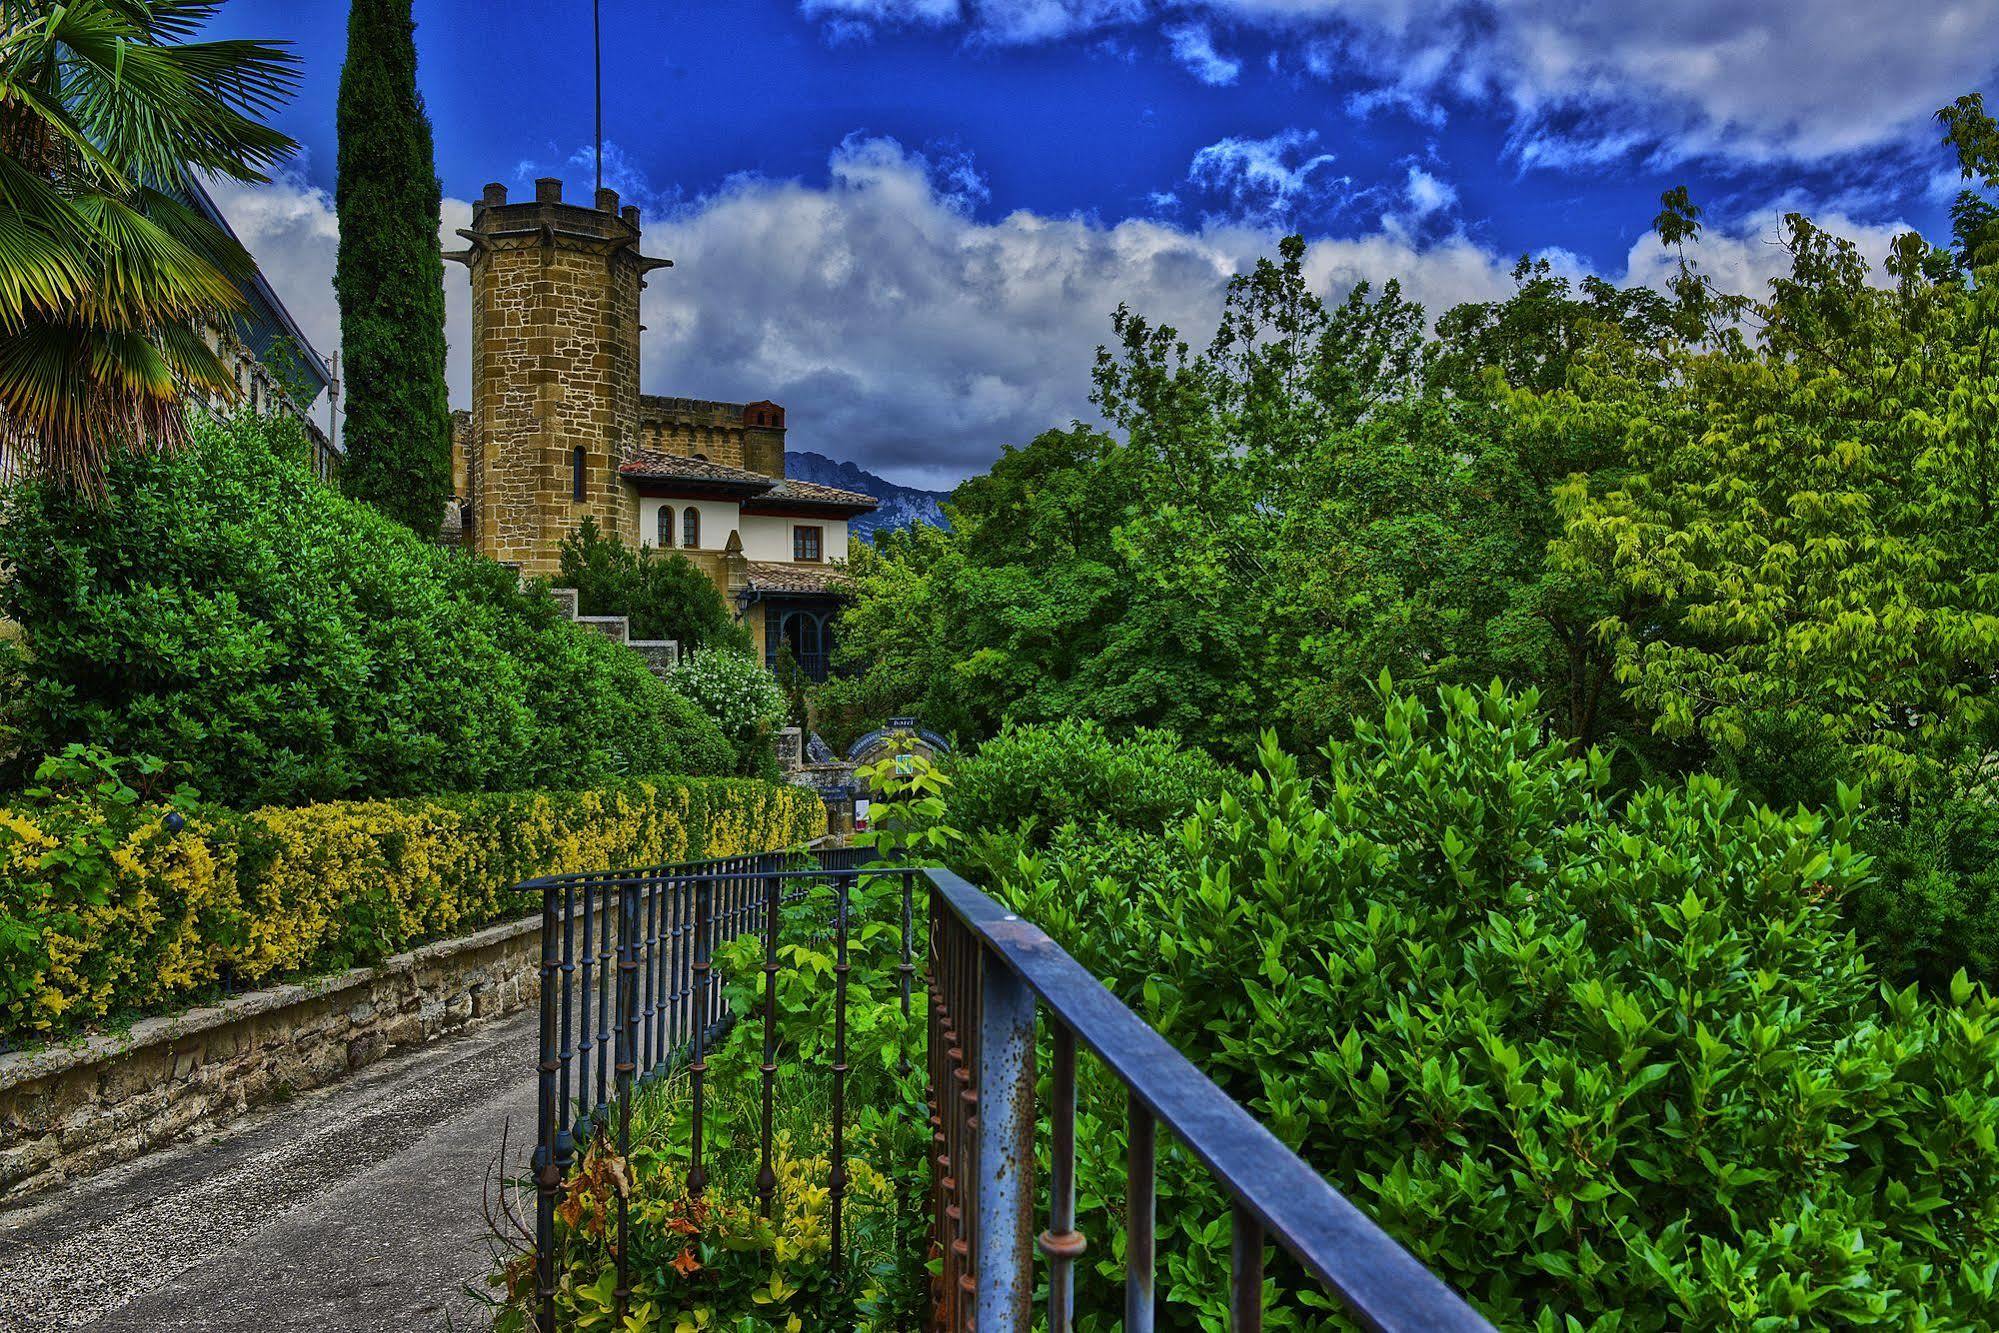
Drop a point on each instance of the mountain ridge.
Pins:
(901, 506)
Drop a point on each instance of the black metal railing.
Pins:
(629, 989)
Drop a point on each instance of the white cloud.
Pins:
(1264, 177)
(1427, 194)
(290, 227)
(1194, 47)
(1743, 255)
(1806, 80)
(902, 331)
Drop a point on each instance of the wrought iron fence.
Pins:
(630, 988)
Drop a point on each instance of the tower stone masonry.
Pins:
(558, 433)
(555, 370)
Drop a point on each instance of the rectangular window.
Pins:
(576, 473)
(806, 543)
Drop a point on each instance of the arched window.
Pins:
(690, 527)
(666, 525)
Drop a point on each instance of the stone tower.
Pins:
(555, 369)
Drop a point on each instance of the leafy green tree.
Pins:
(108, 113)
(1807, 542)
(390, 275)
(662, 593)
(1319, 496)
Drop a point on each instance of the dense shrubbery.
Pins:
(1614, 1061)
(660, 592)
(1051, 774)
(278, 643)
(116, 899)
(734, 688)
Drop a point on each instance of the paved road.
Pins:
(354, 1207)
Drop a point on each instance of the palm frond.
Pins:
(194, 365)
(43, 257)
(82, 395)
(166, 108)
(107, 108)
(143, 275)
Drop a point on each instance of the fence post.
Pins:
(697, 1175)
(547, 1170)
(628, 1031)
(1003, 1187)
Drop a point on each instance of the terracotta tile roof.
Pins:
(811, 492)
(672, 467)
(652, 465)
(782, 576)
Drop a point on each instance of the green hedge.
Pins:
(280, 644)
(108, 911)
(1603, 1061)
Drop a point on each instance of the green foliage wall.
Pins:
(277, 643)
(390, 276)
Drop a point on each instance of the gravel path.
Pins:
(353, 1207)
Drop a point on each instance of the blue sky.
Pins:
(908, 220)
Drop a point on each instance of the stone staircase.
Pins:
(660, 655)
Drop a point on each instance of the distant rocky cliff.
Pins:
(901, 506)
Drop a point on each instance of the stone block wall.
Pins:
(70, 1110)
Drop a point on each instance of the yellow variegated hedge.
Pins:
(252, 898)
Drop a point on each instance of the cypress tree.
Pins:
(390, 275)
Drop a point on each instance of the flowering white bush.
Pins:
(736, 690)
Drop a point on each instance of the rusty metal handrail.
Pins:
(628, 990)
(1277, 1196)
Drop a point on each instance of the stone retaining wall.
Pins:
(69, 1110)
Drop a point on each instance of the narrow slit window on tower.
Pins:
(576, 458)
(690, 527)
(665, 525)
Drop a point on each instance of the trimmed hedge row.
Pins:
(170, 916)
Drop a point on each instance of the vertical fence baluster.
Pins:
(1246, 1272)
(586, 1034)
(966, 947)
(564, 1141)
(648, 950)
(1139, 1213)
(937, 1081)
(1004, 1179)
(767, 1177)
(547, 1175)
(676, 1035)
(1062, 1243)
(662, 974)
(607, 998)
(842, 889)
(628, 1032)
(697, 1178)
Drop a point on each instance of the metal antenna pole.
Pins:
(597, 52)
